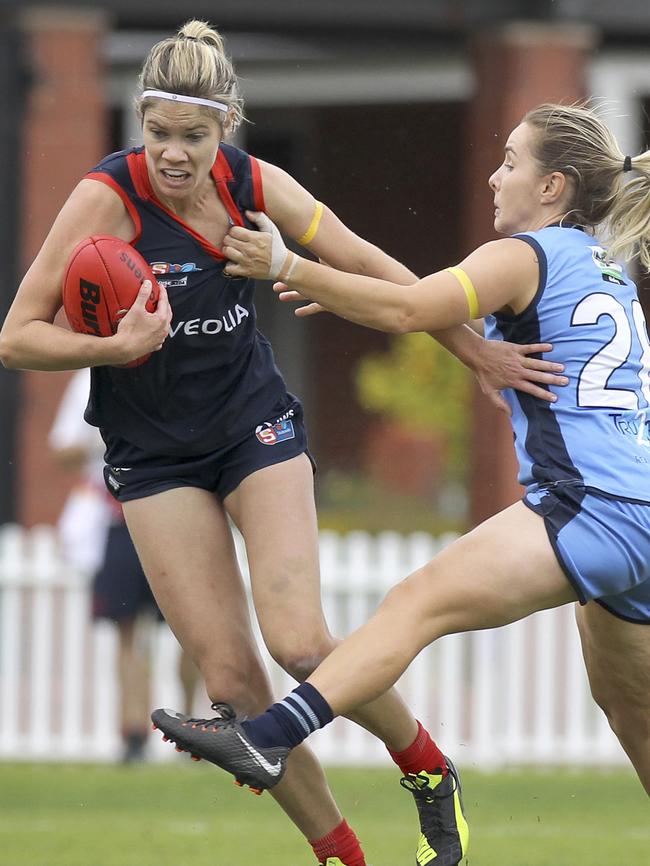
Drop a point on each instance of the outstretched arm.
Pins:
(366, 300)
(379, 304)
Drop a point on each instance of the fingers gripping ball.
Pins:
(102, 280)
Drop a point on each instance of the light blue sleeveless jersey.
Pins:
(596, 434)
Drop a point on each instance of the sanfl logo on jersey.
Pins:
(160, 268)
(271, 434)
(611, 272)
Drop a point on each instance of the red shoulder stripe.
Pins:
(221, 170)
(221, 174)
(137, 164)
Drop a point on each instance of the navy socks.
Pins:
(290, 721)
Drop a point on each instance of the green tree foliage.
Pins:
(424, 388)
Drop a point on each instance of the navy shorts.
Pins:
(274, 440)
(602, 544)
(120, 589)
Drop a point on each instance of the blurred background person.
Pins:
(95, 540)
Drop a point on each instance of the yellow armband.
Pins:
(313, 225)
(468, 288)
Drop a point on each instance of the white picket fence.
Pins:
(515, 695)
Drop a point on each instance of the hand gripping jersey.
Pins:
(596, 434)
(215, 376)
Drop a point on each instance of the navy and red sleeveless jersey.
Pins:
(215, 376)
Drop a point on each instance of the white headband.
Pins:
(176, 97)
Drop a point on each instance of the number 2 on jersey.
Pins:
(593, 390)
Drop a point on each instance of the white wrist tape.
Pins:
(278, 249)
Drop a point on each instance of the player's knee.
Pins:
(301, 661)
(632, 731)
(628, 714)
(606, 698)
(403, 595)
(300, 667)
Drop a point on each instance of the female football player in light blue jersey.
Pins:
(568, 208)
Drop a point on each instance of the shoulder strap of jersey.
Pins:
(241, 171)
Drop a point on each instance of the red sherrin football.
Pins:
(102, 279)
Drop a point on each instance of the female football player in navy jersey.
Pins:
(582, 532)
(205, 430)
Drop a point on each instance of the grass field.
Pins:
(191, 815)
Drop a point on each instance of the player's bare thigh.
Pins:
(275, 511)
(185, 545)
(502, 571)
(617, 656)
